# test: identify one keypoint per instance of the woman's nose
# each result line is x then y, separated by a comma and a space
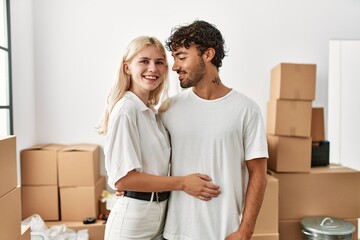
152, 67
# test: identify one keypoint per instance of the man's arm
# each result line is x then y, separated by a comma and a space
253, 199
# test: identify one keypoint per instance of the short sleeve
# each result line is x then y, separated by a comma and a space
122, 150
255, 142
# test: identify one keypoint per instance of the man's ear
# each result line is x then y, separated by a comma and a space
209, 54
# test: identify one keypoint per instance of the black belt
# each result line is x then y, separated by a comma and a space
158, 196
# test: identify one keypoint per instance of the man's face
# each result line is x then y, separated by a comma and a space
189, 65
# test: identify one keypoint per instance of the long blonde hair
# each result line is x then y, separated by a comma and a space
123, 82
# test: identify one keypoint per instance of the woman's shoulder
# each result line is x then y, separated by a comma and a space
127, 105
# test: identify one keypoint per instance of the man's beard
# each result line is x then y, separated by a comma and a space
197, 76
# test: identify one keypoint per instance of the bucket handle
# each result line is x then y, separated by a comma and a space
326, 220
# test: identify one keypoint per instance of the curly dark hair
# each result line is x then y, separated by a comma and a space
201, 34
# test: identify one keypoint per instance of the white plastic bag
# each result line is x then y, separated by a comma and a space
37, 226
39, 230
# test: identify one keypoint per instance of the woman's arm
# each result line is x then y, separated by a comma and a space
197, 185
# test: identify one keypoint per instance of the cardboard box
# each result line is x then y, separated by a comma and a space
289, 154
8, 166
41, 200
268, 218
317, 124
289, 118
332, 190
293, 81
81, 202
79, 165
96, 230
25, 233
291, 229
10, 209
265, 236
39, 165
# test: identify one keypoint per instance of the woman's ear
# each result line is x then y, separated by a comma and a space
209, 54
127, 69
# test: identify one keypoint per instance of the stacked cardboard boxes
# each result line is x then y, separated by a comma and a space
289, 109
10, 193
61, 182
39, 180
292, 125
80, 182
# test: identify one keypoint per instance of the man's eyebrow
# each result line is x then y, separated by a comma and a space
178, 53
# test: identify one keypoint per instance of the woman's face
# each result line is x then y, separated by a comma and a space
147, 70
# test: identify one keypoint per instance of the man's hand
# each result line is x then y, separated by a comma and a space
200, 186
241, 234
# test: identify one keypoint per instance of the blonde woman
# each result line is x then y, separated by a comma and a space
137, 148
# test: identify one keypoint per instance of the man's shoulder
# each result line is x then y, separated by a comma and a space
241, 97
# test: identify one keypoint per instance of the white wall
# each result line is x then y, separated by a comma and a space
66, 52
23, 79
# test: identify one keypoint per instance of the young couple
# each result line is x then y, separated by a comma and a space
212, 135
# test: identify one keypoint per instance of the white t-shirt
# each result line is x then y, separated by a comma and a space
136, 139
213, 137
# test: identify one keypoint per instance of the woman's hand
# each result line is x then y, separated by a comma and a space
200, 186
119, 193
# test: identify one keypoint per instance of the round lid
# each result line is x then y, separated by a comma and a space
327, 226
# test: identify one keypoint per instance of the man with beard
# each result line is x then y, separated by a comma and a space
217, 131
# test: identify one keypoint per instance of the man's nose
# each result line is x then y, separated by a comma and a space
175, 67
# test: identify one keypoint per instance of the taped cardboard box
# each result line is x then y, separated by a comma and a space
79, 165
41, 200
289, 154
289, 118
39, 165
265, 236
8, 166
293, 81
317, 124
332, 190
10, 209
77, 203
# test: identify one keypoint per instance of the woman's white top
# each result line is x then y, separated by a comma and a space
136, 139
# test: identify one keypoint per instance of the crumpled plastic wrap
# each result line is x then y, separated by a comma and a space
40, 231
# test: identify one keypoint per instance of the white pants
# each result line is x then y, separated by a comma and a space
136, 219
